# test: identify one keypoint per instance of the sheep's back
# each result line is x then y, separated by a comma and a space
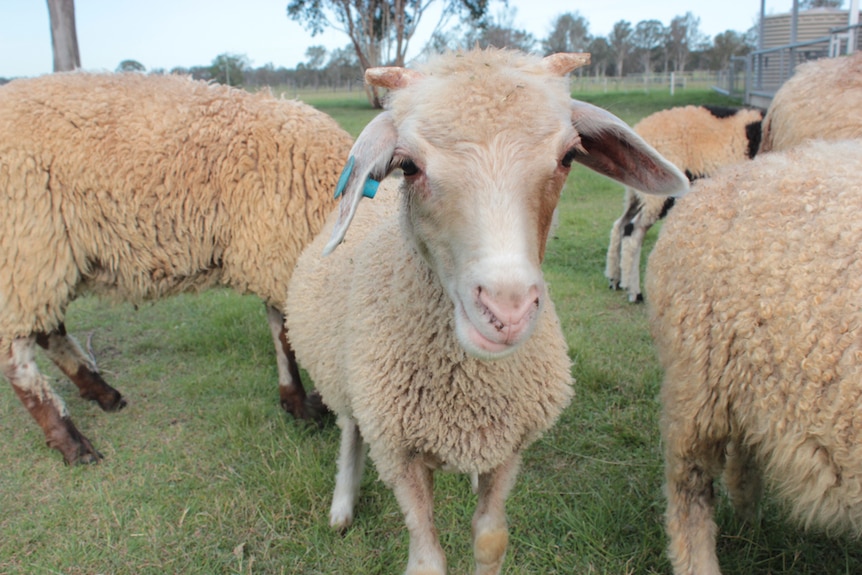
387, 355
822, 100
698, 140
755, 291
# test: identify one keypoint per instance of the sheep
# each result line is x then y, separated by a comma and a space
430, 333
754, 290
138, 187
822, 100
696, 139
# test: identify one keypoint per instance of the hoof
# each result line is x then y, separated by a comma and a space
311, 409
116, 404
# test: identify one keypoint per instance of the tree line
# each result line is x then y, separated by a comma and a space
645, 47
380, 32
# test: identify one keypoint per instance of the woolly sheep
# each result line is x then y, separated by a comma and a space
696, 139
755, 301
430, 333
822, 100
138, 187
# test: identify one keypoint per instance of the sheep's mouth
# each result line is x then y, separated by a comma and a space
496, 340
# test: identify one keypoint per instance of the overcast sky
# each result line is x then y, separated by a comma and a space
169, 33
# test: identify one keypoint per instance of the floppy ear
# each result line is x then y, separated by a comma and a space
368, 164
613, 149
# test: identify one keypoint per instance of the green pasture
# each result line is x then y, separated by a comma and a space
204, 474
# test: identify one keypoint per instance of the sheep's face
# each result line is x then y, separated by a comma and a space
479, 213
485, 141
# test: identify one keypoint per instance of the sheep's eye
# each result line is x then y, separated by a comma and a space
409, 167
570, 157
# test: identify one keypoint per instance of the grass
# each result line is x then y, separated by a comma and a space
204, 474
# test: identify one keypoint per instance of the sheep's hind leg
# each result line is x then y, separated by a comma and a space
80, 368
414, 490
689, 519
490, 532
351, 461
743, 480
44, 405
294, 400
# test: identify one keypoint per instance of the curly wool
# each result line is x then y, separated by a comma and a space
821, 101
385, 353
755, 293
138, 187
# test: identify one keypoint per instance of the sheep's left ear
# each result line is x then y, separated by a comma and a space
368, 163
562, 63
610, 147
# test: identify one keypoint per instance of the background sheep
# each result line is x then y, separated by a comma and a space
696, 139
138, 187
755, 300
430, 333
822, 100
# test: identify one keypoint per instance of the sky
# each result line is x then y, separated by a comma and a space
170, 33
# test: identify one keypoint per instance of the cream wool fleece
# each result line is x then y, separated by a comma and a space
821, 101
137, 187
385, 353
755, 297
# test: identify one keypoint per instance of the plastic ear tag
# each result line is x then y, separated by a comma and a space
345, 175
369, 190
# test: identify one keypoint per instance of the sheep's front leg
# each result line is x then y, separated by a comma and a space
351, 460
490, 531
631, 261
80, 368
414, 490
44, 405
294, 400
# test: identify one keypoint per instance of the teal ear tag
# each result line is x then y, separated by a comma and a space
345, 175
370, 188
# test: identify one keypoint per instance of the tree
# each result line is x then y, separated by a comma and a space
646, 38
131, 66
379, 30
724, 46
64, 38
570, 33
620, 40
683, 37
500, 32
601, 56
228, 69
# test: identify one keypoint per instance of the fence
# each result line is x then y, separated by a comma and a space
663, 81
755, 78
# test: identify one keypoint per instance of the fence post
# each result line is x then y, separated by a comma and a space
672, 82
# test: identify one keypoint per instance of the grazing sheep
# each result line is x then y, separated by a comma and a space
138, 187
755, 301
430, 333
696, 139
822, 101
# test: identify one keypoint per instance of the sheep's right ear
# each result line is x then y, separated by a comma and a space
368, 164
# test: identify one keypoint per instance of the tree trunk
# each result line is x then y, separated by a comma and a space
64, 39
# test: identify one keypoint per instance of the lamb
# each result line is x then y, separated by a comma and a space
755, 302
430, 333
822, 100
138, 187
696, 139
